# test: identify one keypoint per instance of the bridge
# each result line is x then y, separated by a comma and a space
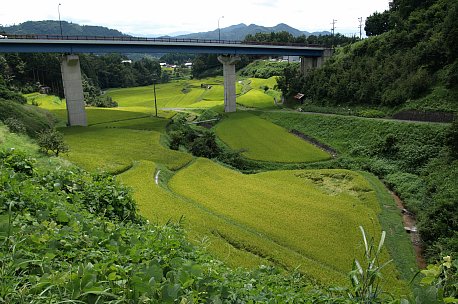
311, 57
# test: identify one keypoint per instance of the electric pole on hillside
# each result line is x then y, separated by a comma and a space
360, 19
154, 88
333, 30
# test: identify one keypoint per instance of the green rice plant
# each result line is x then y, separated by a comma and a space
365, 277
256, 98
115, 149
262, 140
168, 95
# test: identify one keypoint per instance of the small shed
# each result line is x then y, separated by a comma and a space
44, 89
299, 97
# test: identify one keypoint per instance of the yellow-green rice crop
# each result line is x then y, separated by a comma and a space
262, 140
306, 218
259, 83
256, 99
115, 149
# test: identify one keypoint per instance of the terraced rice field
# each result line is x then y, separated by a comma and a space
291, 218
262, 140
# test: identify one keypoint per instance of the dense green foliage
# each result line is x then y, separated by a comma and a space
264, 69
405, 62
52, 27
285, 37
26, 72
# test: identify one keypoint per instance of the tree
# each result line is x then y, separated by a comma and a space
377, 23
451, 32
51, 140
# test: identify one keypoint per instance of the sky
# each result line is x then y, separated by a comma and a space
165, 17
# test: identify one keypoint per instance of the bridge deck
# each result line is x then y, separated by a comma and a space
86, 44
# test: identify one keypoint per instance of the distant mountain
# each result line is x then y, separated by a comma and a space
52, 27
240, 31
233, 32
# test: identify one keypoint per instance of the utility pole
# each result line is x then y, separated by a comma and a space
219, 30
333, 30
154, 86
360, 19
60, 22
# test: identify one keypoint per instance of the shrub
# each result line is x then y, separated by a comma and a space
371, 113
13, 96
17, 161
451, 138
15, 125
51, 140
101, 102
205, 145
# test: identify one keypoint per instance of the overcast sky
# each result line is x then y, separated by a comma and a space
152, 17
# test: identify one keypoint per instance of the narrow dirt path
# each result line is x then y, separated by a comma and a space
410, 225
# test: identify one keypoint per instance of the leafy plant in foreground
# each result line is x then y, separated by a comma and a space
365, 277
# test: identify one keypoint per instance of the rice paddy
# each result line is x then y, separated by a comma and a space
290, 218
265, 141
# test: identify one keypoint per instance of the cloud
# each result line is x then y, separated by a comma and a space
163, 17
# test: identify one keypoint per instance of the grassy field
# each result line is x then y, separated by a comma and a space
292, 218
262, 140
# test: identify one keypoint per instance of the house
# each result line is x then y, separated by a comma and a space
188, 65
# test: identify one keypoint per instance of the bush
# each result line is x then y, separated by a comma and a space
13, 96
15, 125
371, 113
17, 161
101, 102
451, 138
205, 145
51, 140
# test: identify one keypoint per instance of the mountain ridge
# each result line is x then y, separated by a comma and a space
233, 32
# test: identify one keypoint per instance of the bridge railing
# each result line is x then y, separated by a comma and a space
146, 39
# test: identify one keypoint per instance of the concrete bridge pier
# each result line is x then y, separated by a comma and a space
229, 62
309, 63
73, 90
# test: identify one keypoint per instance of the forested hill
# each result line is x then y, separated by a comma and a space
51, 27
410, 60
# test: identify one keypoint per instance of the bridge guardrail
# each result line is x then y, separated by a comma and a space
146, 39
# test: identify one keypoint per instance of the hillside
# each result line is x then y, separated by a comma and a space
52, 27
409, 62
